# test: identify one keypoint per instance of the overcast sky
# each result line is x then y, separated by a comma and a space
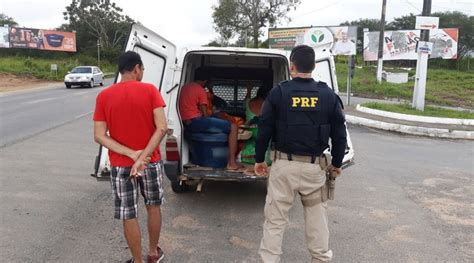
189, 22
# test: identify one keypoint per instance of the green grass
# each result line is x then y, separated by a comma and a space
429, 110
40, 67
444, 87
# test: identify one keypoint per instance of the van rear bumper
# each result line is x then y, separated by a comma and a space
220, 175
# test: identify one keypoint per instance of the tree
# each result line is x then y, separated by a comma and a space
100, 20
213, 43
6, 20
402, 23
242, 18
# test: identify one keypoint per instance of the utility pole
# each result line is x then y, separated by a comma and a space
98, 52
350, 75
425, 34
422, 65
381, 40
246, 38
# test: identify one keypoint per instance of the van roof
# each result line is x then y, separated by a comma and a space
239, 49
319, 55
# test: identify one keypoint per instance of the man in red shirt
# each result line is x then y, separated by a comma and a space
132, 112
193, 109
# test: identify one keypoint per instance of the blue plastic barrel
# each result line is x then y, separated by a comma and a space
209, 149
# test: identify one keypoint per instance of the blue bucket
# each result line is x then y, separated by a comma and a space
209, 149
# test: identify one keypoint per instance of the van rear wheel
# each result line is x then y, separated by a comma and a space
179, 187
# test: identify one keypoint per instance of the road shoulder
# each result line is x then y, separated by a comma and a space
14, 84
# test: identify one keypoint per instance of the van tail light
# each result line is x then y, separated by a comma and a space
172, 153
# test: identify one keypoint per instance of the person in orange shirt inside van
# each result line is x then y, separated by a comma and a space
193, 103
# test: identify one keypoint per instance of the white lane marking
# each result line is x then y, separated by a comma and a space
82, 115
55, 98
83, 92
25, 96
26, 91
39, 91
38, 101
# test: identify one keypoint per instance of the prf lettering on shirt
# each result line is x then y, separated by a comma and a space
304, 102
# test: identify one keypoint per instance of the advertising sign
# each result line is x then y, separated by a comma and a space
4, 42
402, 44
340, 39
426, 22
42, 39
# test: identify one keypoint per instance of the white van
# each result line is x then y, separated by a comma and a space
230, 70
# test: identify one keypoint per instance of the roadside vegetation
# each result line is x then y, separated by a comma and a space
430, 111
41, 67
445, 87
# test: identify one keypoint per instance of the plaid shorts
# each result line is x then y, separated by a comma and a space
125, 189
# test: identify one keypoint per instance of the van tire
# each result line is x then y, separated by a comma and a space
179, 187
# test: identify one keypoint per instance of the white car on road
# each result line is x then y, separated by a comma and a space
84, 76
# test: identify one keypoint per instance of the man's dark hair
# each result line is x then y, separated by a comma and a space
303, 58
128, 61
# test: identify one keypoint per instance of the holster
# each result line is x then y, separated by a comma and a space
330, 185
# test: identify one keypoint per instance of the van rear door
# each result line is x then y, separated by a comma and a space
159, 58
325, 71
158, 55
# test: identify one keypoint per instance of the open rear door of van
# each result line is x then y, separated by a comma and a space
159, 58
325, 71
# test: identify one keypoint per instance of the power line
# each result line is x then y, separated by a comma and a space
315, 10
438, 6
408, 2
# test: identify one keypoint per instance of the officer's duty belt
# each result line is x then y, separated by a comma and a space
298, 158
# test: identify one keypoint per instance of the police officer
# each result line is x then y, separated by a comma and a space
299, 116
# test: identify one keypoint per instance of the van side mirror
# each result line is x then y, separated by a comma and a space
69, 72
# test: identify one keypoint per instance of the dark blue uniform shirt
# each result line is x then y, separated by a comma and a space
272, 110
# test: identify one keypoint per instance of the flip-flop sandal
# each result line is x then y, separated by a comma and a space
244, 135
239, 169
248, 172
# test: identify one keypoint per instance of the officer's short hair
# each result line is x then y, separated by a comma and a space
128, 61
303, 58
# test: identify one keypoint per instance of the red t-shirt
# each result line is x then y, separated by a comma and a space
127, 108
192, 95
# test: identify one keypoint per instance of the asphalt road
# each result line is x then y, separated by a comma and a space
28, 113
407, 199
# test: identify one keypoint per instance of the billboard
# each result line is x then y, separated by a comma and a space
4, 42
42, 39
401, 44
340, 39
